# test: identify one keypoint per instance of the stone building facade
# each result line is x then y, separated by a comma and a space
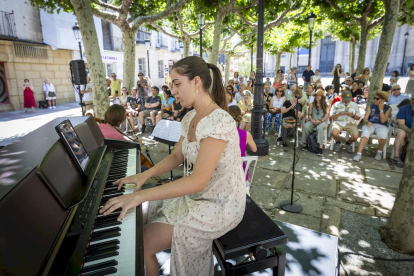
35, 62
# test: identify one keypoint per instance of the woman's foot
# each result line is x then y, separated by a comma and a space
319, 152
279, 139
284, 144
25, 111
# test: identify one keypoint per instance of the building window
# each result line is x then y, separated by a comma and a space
141, 65
160, 69
141, 35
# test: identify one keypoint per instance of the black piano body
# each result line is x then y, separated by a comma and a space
38, 236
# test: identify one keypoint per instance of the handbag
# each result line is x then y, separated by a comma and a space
288, 122
51, 94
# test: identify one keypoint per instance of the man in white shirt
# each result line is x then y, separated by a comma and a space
344, 115
87, 94
241, 78
396, 96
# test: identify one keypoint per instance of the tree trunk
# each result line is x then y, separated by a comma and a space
290, 63
399, 232
352, 46
278, 57
384, 49
362, 46
83, 12
213, 57
227, 70
186, 43
128, 38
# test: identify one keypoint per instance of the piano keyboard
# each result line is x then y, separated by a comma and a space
112, 244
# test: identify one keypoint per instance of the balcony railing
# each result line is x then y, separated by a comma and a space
7, 25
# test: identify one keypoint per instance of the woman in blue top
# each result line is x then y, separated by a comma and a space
376, 121
166, 106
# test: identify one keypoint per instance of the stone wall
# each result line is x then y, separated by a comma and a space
55, 67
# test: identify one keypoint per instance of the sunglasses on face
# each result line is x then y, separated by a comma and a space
395, 89
377, 98
113, 76
298, 97
279, 91
229, 89
300, 87
140, 75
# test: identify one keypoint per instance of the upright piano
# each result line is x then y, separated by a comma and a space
40, 236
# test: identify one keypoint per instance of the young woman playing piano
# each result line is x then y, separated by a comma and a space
187, 214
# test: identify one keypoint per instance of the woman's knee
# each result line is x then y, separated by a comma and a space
157, 237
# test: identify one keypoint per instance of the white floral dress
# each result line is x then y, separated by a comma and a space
200, 218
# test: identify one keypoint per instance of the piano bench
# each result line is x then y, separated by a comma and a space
258, 237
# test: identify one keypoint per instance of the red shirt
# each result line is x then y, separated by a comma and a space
110, 132
338, 99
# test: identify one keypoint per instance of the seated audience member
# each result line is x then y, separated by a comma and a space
152, 106
245, 138
289, 117
267, 95
403, 131
114, 116
123, 100
245, 106
318, 114
277, 83
365, 76
229, 97
178, 111
361, 101
286, 87
134, 106
396, 96
275, 109
330, 93
344, 88
375, 120
355, 90
237, 85
166, 106
238, 96
348, 81
361, 84
394, 78
343, 116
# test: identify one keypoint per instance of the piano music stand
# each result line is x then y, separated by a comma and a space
167, 125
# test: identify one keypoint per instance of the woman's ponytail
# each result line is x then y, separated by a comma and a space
217, 91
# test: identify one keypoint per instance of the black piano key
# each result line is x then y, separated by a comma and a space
97, 245
107, 271
107, 224
101, 218
103, 255
118, 193
99, 266
106, 234
108, 193
110, 188
103, 250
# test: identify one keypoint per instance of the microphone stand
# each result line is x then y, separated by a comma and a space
289, 205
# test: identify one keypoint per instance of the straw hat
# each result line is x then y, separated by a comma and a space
320, 92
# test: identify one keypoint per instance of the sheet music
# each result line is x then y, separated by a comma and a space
167, 130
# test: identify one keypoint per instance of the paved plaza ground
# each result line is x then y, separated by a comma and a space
340, 197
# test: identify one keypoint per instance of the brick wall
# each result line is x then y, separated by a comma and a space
55, 68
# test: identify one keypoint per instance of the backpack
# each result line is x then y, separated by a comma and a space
313, 143
43, 104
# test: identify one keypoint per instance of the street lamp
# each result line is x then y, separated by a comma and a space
201, 19
405, 46
311, 23
78, 37
148, 45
